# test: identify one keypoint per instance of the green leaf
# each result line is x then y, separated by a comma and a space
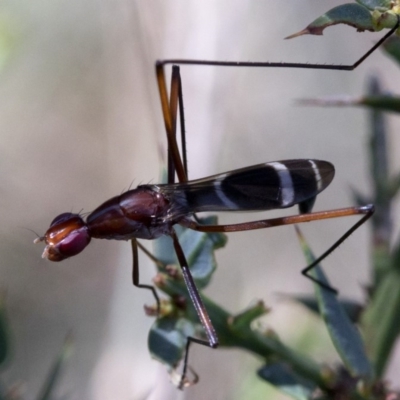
245, 318
382, 20
284, 379
394, 186
392, 47
378, 151
352, 308
167, 339
49, 386
8, 38
381, 320
382, 224
345, 336
396, 257
164, 248
219, 239
385, 102
350, 14
380, 5
199, 250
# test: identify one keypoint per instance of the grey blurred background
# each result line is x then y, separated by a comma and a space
80, 122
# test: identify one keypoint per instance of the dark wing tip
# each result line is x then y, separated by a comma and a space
326, 172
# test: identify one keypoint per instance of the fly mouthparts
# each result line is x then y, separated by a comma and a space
45, 253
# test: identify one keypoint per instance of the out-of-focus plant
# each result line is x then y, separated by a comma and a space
8, 37
13, 391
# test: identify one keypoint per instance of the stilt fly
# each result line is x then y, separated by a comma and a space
150, 211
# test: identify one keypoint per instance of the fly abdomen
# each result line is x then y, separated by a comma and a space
267, 186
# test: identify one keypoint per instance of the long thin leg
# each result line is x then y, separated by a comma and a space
351, 67
135, 274
173, 109
269, 223
195, 295
178, 164
176, 100
169, 113
169, 107
189, 339
177, 81
367, 211
156, 261
212, 338
307, 269
182, 126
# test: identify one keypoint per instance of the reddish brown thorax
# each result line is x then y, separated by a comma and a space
138, 213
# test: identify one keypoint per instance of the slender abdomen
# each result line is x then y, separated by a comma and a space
266, 186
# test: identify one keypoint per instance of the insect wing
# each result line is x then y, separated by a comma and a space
267, 186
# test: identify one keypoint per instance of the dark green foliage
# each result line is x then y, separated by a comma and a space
367, 15
56, 371
48, 389
392, 47
345, 336
281, 376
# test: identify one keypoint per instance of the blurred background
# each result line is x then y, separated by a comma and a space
80, 122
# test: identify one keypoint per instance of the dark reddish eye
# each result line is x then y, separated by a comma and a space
63, 217
67, 236
69, 245
74, 243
